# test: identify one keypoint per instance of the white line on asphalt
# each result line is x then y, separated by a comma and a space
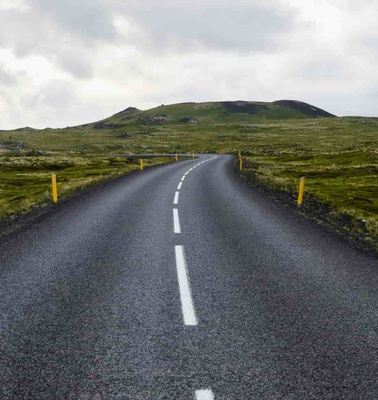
176, 221
182, 179
185, 294
175, 200
179, 186
186, 173
204, 394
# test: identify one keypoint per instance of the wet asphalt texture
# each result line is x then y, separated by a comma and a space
90, 304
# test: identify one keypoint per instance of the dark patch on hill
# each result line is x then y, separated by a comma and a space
186, 120
124, 135
304, 108
157, 119
105, 125
243, 107
127, 118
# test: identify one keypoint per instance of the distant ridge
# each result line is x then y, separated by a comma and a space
25, 128
212, 112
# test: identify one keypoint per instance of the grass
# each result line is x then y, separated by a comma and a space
337, 156
25, 180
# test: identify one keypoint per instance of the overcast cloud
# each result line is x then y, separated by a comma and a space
75, 61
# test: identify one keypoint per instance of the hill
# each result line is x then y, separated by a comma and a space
212, 112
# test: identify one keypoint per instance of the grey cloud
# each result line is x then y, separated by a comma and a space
54, 93
6, 79
5, 97
91, 19
321, 70
243, 27
80, 63
57, 95
29, 34
369, 41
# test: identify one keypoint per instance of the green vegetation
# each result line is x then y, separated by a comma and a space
339, 160
25, 179
279, 142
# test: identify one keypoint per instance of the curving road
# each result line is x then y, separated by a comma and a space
180, 282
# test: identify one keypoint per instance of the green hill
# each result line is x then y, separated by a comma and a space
212, 112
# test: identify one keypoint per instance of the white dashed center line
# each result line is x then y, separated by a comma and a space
179, 186
185, 294
175, 200
176, 221
204, 394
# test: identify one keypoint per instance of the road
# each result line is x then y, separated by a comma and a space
180, 282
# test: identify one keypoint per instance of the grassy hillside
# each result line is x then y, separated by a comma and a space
338, 156
212, 112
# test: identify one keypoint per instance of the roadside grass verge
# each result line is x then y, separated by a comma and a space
25, 181
340, 188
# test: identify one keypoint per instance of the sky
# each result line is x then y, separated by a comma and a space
65, 63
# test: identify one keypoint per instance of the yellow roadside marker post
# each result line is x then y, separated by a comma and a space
193, 154
240, 163
301, 190
141, 165
176, 157
54, 188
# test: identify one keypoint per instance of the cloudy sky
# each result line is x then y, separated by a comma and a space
75, 61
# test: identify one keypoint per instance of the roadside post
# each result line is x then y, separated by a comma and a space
301, 190
176, 158
54, 188
240, 163
141, 165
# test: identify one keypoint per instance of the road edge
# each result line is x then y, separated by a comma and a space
341, 224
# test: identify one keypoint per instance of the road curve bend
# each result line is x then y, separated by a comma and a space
181, 282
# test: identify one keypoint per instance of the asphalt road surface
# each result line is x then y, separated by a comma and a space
180, 282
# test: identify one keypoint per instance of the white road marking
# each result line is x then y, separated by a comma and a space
182, 179
175, 200
185, 294
176, 221
179, 186
206, 394
186, 173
